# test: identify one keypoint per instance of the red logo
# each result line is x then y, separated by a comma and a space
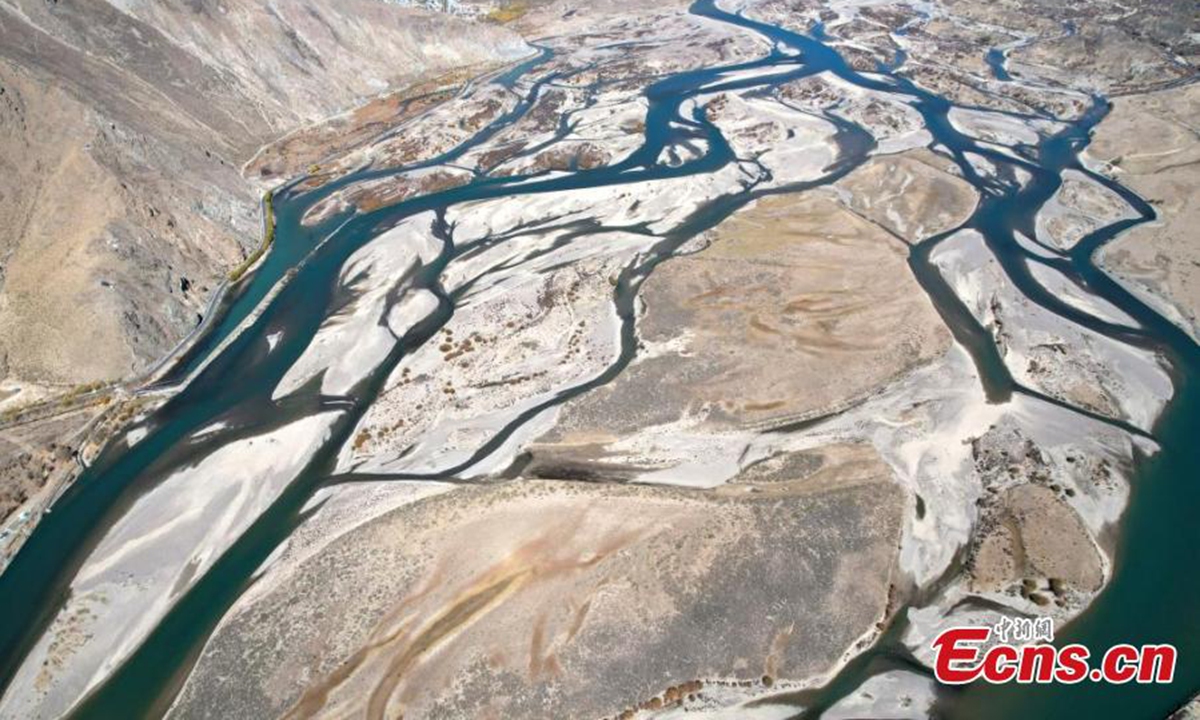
964, 655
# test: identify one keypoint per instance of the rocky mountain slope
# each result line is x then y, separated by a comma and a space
124, 126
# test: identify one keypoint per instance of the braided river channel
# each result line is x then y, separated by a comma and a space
222, 388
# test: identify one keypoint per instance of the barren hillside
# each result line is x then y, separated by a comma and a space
123, 128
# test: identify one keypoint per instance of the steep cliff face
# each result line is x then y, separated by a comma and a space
123, 129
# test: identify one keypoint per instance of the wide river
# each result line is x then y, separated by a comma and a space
224, 384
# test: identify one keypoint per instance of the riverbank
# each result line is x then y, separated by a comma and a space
236, 274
